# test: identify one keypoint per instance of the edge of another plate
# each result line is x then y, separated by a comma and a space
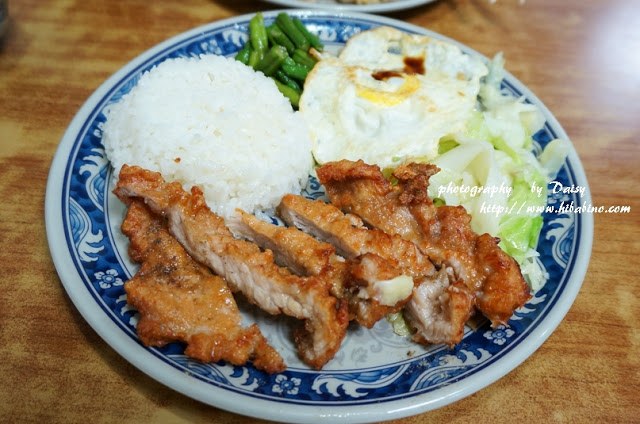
335, 6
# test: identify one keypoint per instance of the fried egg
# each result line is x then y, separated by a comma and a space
389, 96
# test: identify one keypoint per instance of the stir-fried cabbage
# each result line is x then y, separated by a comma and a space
492, 171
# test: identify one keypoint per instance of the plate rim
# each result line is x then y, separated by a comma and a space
388, 6
171, 377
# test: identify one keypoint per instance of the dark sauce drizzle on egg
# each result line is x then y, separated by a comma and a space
412, 65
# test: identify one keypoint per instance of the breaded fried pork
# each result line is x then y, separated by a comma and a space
246, 268
180, 300
490, 276
371, 285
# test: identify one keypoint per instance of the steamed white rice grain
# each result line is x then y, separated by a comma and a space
216, 123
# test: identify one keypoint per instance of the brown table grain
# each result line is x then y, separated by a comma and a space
580, 57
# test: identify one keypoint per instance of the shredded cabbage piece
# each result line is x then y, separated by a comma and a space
399, 324
495, 156
496, 150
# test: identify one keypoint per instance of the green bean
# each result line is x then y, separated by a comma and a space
303, 58
295, 70
271, 61
243, 54
286, 80
312, 38
276, 36
281, 51
290, 93
258, 34
254, 58
287, 26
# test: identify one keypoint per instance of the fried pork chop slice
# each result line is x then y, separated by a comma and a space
443, 233
244, 266
180, 300
439, 317
439, 309
294, 249
379, 287
477, 259
351, 238
368, 283
362, 190
503, 289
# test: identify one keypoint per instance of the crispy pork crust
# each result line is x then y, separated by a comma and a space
443, 233
352, 279
294, 249
246, 268
350, 237
361, 189
180, 300
324, 272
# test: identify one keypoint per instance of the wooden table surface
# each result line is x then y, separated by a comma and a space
580, 57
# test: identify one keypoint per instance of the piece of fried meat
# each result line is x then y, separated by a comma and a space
180, 300
245, 267
443, 233
371, 285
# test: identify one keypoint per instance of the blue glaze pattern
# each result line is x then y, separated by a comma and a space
377, 366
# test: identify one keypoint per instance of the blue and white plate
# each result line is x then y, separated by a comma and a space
377, 375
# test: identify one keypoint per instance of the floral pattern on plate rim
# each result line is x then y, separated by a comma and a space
101, 263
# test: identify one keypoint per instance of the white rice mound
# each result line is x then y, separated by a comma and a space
213, 122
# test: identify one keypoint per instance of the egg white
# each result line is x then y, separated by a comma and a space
367, 104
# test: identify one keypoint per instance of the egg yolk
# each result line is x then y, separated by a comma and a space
390, 98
